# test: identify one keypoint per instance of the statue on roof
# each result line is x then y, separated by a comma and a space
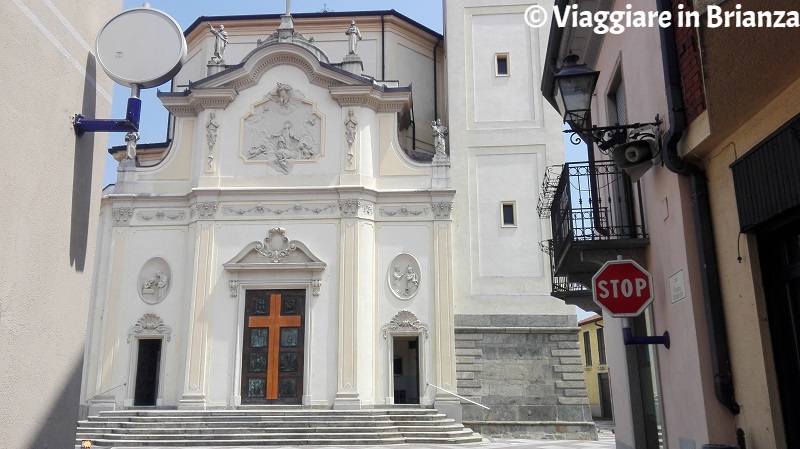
439, 133
354, 35
220, 42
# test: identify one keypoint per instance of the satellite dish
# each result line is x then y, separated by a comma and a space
141, 46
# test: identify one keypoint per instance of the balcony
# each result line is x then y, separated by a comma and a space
595, 215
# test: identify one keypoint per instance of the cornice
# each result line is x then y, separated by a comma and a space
198, 100
370, 97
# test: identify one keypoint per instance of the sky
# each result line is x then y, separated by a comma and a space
153, 126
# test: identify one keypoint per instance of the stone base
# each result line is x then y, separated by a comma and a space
535, 430
212, 68
346, 401
528, 369
94, 407
193, 401
353, 64
451, 408
440, 172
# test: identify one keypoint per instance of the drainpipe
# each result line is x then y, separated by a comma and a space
383, 49
701, 213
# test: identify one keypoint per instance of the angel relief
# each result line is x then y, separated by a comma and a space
283, 129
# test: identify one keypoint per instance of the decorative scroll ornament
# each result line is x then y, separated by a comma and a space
442, 210
122, 214
160, 215
283, 254
260, 209
403, 211
234, 286
350, 125
205, 210
405, 321
276, 246
349, 207
211, 137
150, 324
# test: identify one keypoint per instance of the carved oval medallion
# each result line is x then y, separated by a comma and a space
404, 276
155, 280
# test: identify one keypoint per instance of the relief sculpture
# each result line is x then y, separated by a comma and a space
296, 137
404, 276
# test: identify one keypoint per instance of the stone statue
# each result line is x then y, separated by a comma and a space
412, 281
285, 136
156, 285
354, 35
439, 132
396, 277
350, 131
220, 42
211, 130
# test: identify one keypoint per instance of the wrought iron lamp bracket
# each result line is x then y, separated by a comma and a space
607, 137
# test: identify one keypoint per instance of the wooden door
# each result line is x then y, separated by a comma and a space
273, 346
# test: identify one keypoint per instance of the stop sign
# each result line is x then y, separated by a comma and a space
622, 288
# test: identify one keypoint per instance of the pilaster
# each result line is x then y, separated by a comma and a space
347, 392
444, 330
104, 395
195, 389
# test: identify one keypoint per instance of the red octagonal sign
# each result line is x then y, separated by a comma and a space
622, 288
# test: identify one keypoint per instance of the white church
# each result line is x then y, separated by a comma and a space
343, 218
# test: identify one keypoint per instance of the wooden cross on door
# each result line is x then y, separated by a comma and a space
274, 322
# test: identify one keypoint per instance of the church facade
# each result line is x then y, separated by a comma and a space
307, 238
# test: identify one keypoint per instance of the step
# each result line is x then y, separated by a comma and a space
238, 423
222, 430
266, 426
238, 436
269, 442
165, 418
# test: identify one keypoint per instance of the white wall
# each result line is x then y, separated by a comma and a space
49, 213
502, 137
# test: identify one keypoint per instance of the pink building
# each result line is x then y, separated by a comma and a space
709, 205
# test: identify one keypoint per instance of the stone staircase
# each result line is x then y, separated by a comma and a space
270, 426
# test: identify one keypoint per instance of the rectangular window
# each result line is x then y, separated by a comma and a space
601, 347
501, 64
587, 348
615, 99
398, 366
508, 211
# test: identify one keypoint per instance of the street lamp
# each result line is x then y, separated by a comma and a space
575, 84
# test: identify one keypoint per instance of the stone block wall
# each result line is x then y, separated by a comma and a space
527, 369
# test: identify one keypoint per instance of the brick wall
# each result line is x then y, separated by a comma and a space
686, 38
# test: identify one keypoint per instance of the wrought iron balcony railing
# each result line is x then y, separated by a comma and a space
590, 202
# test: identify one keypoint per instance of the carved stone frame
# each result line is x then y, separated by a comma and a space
251, 269
394, 328
163, 333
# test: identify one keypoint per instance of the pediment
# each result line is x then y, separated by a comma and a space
219, 90
275, 252
248, 73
